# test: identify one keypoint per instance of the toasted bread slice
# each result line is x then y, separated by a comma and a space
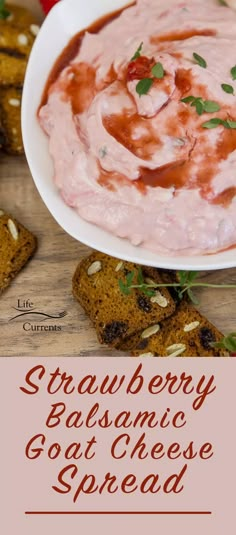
15, 47
10, 112
116, 315
168, 276
186, 334
12, 68
2, 135
20, 17
17, 245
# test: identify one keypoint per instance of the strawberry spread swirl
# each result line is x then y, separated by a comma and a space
140, 110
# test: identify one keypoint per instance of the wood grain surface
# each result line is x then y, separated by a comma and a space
46, 281
33, 5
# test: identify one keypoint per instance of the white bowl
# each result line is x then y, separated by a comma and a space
66, 19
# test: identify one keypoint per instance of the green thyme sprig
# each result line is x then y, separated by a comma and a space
144, 85
199, 60
228, 342
207, 106
4, 13
216, 121
228, 89
127, 286
137, 54
158, 71
233, 72
187, 282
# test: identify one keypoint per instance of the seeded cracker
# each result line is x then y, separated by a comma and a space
15, 47
2, 136
115, 315
19, 17
186, 334
10, 106
17, 245
17, 35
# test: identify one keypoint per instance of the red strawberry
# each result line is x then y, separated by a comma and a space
48, 4
139, 68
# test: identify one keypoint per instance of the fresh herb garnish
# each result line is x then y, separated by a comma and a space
208, 106
213, 123
124, 288
228, 342
233, 72
228, 88
158, 71
187, 281
230, 124
189, 99
223, 3
4, 13
127, 286
137, 53
144, 85
201, 61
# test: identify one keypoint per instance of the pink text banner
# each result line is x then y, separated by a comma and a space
117, 444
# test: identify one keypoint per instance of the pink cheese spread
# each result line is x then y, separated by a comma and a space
132, 153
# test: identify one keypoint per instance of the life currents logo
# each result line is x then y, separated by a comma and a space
36, 319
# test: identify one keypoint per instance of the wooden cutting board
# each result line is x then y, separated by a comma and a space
45, 283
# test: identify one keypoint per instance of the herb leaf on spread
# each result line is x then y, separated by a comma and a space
143, 86
228, 342
207, 106
201, 61
213, 123
158, 71
187, 281
210, 106
223, 3
233, 72
230, 124
228, 88
188, 99
138, 52
4, 13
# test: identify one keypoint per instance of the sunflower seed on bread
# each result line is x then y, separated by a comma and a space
19, 17
17, 35
10, 112
17, 245
114, 314
173, 339
14, 54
